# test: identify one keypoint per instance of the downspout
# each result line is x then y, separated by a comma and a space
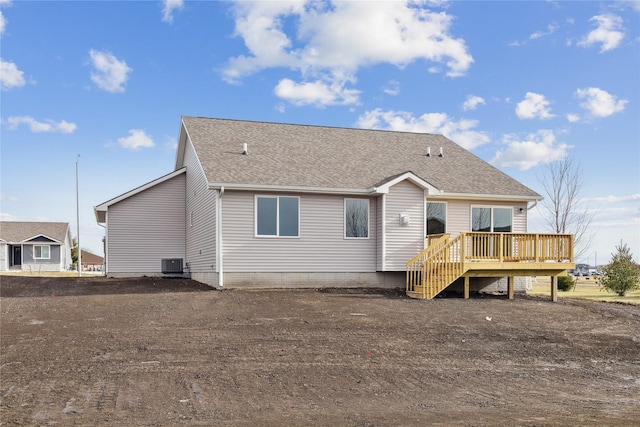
384, 232
532, 206
219, 239
104, 245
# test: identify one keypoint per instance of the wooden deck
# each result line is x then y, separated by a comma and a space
487, 255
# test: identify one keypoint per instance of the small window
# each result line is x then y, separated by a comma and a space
491, 219
277, 216
356, 218
436, 218
41, 252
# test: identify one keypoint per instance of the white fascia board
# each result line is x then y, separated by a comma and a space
384, 188
103, 207
28, 240
289, 189
183, 136
493, 197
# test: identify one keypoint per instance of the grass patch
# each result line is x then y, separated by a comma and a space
585, 289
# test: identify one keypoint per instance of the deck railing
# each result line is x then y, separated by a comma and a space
445, 259
518, 247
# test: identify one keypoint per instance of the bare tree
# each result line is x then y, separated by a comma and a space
563, 209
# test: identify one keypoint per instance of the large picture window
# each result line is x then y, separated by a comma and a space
436, 218
491, 219
278, 216
41, 252
356, 218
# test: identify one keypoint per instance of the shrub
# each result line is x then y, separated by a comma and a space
622, 274
566, 283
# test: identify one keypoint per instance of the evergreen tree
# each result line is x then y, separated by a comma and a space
622, 274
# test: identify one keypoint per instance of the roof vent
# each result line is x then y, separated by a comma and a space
245, 149
428, 151
441, 153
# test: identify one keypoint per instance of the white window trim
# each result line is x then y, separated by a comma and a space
446, 215
491, 207
344, 219
42, 246
277, 235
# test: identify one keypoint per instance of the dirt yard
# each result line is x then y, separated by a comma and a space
166, 352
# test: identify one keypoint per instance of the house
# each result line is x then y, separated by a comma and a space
91, 262
35, 246
253, 204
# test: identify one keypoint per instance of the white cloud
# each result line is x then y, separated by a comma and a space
3, 20
168, 7
10, 75
472, 102
331, 41
618, 216
600, 103
8, 198
572, 117
551, 28
392, 88
460, 131
137, 139
608, 32
315, 93
540, 147
533, 106
110, 73
614, 199
3, 23
633, 4
7, 217
47, 126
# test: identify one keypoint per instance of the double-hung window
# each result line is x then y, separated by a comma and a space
41, 252
277, 216
491, 219
436, 218
356, 218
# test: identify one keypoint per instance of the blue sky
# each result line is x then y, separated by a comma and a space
520, 84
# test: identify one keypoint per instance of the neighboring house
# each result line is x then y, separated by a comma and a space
254, 204
35, 246
91, 262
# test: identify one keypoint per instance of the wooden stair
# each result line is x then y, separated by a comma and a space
435, 268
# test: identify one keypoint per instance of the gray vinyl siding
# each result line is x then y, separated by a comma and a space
28, 253
321, 246
200, 216
459, 215
380, 201
403, 242
4, 257
147, 227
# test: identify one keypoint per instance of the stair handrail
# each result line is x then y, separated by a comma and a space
415, 265
448, 270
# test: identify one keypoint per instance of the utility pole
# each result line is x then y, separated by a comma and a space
78, 218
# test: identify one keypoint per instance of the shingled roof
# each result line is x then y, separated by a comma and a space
16, 232
298, 156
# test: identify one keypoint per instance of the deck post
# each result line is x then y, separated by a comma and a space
466, 287
554, 288
511, 287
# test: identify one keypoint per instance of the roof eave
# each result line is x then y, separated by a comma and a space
288, 188
493, 197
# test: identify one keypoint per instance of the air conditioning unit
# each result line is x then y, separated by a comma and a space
172, 266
